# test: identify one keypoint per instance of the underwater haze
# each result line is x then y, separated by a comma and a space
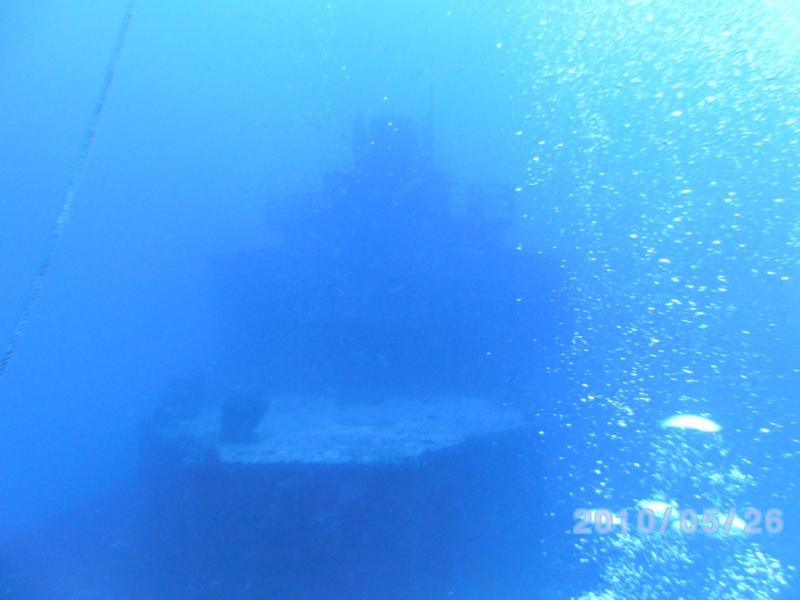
399, 300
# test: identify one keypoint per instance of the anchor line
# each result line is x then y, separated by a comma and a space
65, 212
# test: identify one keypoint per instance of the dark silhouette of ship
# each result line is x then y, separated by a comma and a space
369, 438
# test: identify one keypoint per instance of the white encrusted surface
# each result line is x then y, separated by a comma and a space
326, 431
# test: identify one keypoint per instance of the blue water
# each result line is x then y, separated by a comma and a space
584, 211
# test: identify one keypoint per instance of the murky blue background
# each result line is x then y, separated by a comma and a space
653, 149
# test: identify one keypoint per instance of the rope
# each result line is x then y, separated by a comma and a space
72, 191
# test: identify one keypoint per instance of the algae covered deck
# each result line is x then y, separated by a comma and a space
319, 430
